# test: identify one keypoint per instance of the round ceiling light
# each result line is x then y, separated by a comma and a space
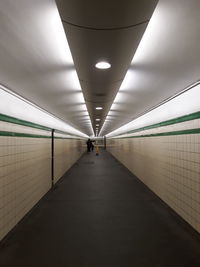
103, 65
98, 108
97, 119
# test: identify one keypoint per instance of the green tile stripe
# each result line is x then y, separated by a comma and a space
189, 117
10, 119
13, 120
14, 134
190, 131
71, 138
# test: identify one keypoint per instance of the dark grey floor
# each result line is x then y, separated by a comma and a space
100, 215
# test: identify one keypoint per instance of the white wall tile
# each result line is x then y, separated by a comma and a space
25, 175
168, 165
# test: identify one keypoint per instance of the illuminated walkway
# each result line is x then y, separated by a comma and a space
100, 215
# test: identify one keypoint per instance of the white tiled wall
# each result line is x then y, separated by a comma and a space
25, 169
25, 173
66, 153
168, 165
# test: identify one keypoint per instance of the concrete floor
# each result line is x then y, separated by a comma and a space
100, 215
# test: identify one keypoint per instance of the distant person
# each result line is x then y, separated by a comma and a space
89, 145
92, 145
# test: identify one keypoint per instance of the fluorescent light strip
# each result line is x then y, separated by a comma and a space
15, 106
140, 57
61, 47
59, 50
183, 103
128, 79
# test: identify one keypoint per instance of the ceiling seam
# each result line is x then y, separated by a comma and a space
88, 81
105, 29
98, 102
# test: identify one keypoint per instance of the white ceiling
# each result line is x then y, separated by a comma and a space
36, 61
166, 62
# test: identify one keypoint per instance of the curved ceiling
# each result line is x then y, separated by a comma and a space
105, 14
36, 61
103, 30
165, 63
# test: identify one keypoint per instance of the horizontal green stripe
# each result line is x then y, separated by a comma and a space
14, 134
191, 131
22, 122
10, 119
185, 118
58, 137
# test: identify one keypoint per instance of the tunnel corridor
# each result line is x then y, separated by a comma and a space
119, 76
100, 214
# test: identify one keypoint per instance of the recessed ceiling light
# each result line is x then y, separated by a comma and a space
97, 119
103, 65
98, 108
97, 124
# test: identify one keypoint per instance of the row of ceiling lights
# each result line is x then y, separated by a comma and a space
101, 65
97, 125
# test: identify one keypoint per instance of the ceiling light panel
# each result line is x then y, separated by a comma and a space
17, 107
103, 65
182, 104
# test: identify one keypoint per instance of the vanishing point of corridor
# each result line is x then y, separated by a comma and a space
100, 215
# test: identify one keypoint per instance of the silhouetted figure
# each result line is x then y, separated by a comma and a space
92, 145
89, 145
